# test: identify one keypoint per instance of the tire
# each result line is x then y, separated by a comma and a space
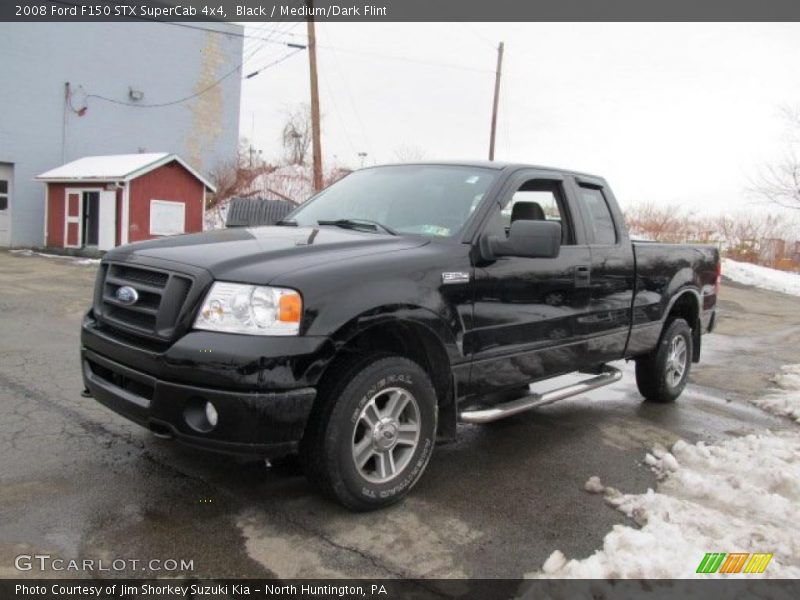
359, 451
662, 374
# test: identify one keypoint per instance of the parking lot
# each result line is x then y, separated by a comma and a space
77, 481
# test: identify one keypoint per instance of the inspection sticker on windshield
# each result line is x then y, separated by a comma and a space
435, 230
472, 179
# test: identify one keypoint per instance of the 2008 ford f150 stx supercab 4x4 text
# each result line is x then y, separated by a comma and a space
395, 303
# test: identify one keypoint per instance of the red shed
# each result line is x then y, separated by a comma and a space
105, 201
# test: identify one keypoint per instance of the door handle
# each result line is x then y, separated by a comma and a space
583, 274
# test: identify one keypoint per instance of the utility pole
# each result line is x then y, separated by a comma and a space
316, 149
496, 98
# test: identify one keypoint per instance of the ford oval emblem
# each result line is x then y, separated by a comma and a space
127, 295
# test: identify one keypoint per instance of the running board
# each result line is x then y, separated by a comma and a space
607, 376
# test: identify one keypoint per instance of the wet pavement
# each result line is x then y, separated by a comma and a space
77, 481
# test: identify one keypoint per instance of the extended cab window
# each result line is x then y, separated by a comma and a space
536, 199
601, 223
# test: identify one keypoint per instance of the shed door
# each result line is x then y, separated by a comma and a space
107, 221
73, 218
5, 204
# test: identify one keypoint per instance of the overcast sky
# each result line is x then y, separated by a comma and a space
673, 113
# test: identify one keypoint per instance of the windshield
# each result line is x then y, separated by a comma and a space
433, 200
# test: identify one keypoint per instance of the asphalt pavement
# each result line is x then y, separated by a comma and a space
77, 481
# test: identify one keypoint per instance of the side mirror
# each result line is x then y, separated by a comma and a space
527, 239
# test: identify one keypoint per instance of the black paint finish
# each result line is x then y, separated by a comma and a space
500, 324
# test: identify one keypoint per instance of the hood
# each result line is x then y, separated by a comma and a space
258, 255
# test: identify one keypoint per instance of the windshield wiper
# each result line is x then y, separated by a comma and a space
358, 224
288, 223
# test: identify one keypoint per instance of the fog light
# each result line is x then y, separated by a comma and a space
211, 414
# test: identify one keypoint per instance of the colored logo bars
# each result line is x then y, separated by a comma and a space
741, 562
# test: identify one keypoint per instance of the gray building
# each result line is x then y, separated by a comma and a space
71, 90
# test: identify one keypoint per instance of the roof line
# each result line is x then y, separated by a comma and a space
166, 160
151, 166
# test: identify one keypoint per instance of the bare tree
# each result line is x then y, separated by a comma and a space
296, 135
779, 183
409, 153
668, 223
237, 176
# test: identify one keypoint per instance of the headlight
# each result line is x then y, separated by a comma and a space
253, 309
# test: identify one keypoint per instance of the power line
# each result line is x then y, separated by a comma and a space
370, 53
184, 25
218, 81
275, 62
338, 66
361, 51
260, 45
479, 36
196, 94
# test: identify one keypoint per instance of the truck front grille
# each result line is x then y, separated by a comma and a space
160, 302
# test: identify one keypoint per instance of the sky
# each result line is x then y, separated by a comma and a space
674, 114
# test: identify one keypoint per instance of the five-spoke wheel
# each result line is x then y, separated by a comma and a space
372, 433
386, 434
662, 374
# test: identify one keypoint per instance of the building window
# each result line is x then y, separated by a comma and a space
167, 217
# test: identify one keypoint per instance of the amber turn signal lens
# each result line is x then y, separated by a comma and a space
291, 307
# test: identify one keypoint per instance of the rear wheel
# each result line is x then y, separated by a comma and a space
662, 374
373, 433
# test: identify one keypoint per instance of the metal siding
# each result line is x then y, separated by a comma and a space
117, 56
170, 182
252, 212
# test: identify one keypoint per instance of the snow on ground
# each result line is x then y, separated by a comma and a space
215, 217
75, 260
763, 277
784, 401
741, 495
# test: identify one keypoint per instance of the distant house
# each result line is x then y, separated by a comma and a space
104, 201
84, 89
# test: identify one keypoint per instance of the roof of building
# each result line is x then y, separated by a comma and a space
116, 167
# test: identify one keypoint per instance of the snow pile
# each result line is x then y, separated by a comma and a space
784, 402
742, 495
763, 277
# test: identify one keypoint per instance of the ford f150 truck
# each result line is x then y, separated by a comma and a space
389, 307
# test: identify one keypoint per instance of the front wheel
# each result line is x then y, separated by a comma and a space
373, 434
662, 374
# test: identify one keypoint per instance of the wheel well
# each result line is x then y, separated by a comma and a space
410, 340
686, 307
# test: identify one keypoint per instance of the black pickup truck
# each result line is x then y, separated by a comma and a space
392, 305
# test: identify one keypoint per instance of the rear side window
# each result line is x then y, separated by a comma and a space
602, 225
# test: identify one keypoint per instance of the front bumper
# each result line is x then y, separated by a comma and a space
257, 414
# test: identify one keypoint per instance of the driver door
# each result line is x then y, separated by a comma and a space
528, 311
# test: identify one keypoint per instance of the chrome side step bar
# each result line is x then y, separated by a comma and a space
607, 376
